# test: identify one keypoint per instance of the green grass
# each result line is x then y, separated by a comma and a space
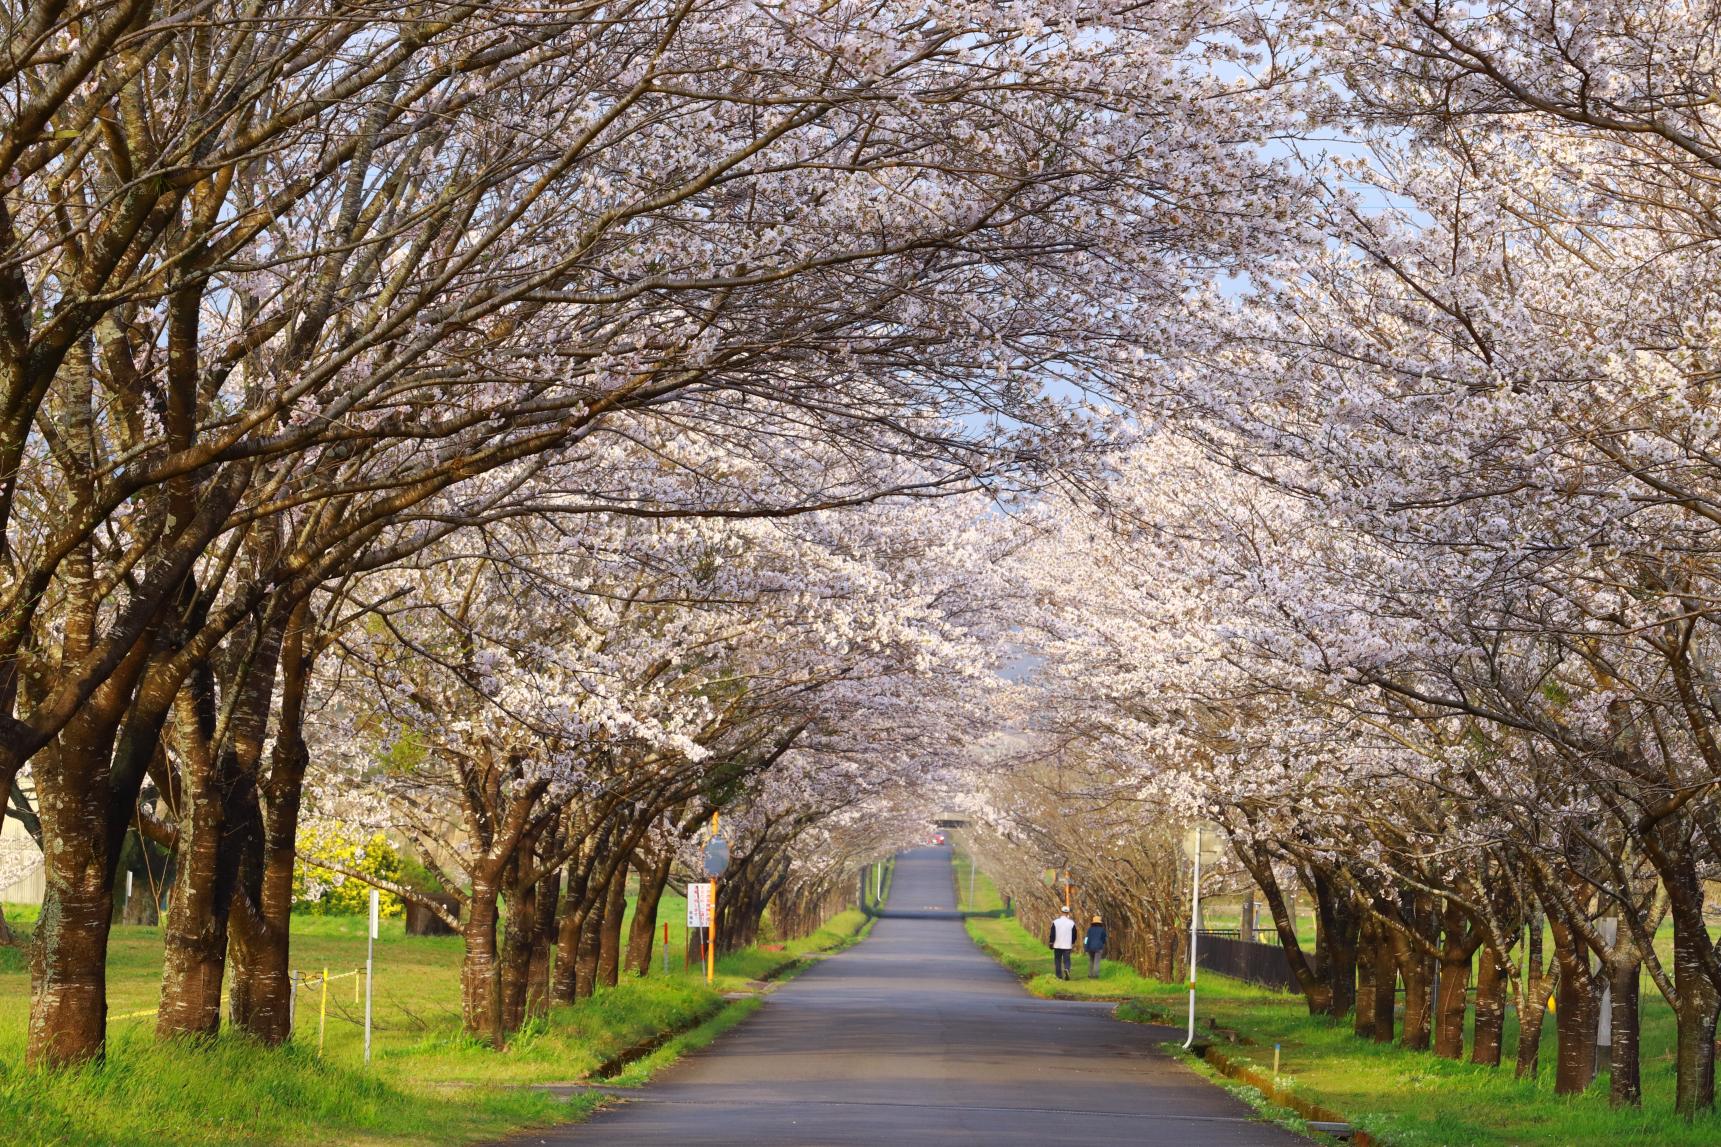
1403, 1098
428, 1083
985, 897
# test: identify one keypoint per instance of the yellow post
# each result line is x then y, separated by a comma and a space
323, 1013
711, 934
355, 987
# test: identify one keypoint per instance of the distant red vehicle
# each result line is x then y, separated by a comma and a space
938, 838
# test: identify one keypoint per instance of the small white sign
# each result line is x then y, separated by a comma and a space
699, 905
374, 898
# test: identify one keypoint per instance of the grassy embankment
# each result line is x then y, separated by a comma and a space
1403, 1098
427, 1084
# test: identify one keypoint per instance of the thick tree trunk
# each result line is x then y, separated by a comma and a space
259, 927
546, 903
1385, 985
1458, 946
1694, 1054
1625, 1082
1536, 993
195, 938
1338, 917
1166, 950
1490, 1027
519, 934
220, 829
1418, 980
87, 788
570, 924
1363, 1021
480, 967
1574, 1019
590, 946
1452, 1000
609, 936
68, 958
261, 1003
642, 938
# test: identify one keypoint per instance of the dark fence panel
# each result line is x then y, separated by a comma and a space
1249, 960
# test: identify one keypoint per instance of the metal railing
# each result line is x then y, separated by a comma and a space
1222, 950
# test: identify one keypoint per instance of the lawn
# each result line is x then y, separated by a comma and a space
428, 1084
1403, 1098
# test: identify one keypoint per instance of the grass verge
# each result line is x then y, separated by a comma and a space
428, 1083
1401, 1098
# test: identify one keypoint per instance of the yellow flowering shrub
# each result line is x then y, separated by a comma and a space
324, 893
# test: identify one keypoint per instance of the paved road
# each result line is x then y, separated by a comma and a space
917, 1037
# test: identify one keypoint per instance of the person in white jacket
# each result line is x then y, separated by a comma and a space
1062, 938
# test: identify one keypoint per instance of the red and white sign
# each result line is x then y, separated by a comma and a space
699, 905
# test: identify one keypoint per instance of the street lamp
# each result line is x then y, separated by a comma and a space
1198, 843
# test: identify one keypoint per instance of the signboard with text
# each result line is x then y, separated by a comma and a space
699, 905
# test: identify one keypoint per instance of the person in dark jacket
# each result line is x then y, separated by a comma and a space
1094, 945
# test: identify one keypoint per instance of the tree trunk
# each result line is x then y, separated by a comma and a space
195, 938
1453, 998
609, 936
1337, 916
1363, 1021
261, 999
1418, 999
1625, 1083
570, 925
68, 958
653, 877
1574, 1017
220, 829
518, 935
590, 947
546, 903
1490, 1010
1316, 990
480, 968
1535, 1009
1385, 985
87, 787
1166, 948
1695, 1018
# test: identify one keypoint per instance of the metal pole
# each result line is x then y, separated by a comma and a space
370, 968
711, 938
323, 1012
1194, 914
711, 931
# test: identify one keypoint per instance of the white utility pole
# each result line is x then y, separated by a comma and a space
370, 967
1194, 918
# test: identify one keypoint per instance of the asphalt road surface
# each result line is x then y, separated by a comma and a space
917, 1037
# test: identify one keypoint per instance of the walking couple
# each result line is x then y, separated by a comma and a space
1062, 938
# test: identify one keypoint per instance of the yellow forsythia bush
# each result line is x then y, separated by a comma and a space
325, 893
